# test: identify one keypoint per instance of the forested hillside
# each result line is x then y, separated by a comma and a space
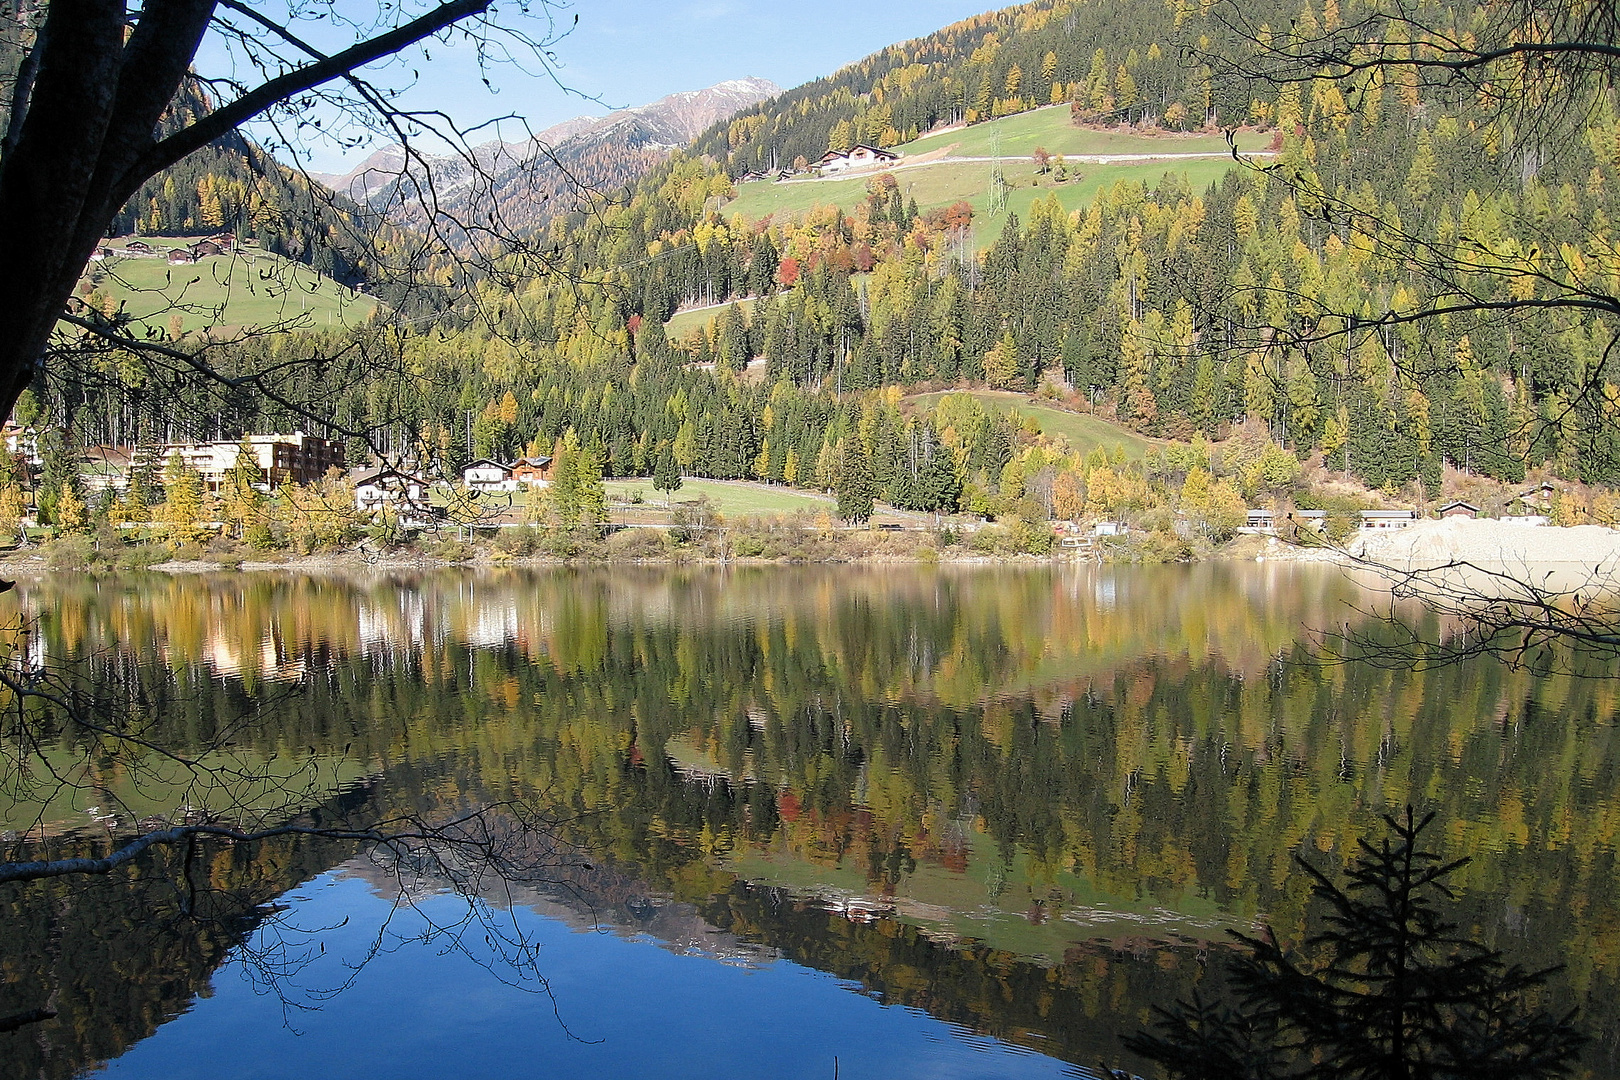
1184, 313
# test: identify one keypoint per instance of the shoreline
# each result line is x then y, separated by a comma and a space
1425, 546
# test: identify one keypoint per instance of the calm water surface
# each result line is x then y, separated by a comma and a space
933, 823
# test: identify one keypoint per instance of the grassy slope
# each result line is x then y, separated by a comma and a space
945, 183
1083, 432
250, 289
729, 496
1050, 128
685, 323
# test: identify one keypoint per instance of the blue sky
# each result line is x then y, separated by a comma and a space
630, 52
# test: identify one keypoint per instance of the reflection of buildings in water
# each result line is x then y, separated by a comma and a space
226, 655
1105, 589
384, 628
491, 622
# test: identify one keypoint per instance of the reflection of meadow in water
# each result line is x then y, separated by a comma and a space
1070, 781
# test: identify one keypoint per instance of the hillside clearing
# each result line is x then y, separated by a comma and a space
947, 182
685, 324
248, 289
1084, 433
1051, 129
729, 496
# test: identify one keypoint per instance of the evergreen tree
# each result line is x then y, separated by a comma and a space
855, 488
59, 472
666, 474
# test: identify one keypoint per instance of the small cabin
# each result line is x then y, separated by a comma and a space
139, 245
532, 472
178, 256
1387, 519
100, 254
1458, 509
206, 249
487, 475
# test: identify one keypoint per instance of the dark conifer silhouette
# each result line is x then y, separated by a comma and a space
1387, 990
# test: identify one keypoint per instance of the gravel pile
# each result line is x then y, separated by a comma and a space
1433, 543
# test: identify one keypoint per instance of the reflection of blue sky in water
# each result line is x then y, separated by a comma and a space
420, 1011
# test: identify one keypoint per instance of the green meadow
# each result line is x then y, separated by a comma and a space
684, 324
945, 183
1051, 129
730, 497
249, 289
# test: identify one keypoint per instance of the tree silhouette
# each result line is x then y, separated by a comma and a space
1387, 990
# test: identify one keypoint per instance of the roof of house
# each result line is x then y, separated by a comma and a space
1458, 504
361, 476
840, 155
533, 462
484, 461
1386, 513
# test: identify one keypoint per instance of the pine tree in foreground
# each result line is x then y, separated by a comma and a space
1386, 991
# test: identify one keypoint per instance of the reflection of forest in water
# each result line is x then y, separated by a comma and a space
1028, 801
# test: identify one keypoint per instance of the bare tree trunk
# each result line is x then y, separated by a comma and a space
83, 136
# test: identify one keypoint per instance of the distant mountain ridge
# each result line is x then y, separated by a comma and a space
524, 183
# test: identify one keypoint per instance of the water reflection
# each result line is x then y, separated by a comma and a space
1028, 802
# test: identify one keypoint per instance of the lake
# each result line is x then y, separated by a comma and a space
926, 822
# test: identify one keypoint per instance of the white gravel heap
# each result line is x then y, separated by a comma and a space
1484, 541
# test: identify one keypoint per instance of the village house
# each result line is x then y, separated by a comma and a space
487, 475
21, 442
140, 246
180, 255
1387, 519
105, 467
859, 156
376, 490
532, 472
1458, 508
206, 249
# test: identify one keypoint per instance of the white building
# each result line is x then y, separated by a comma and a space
390, 489
487, 475
859, 156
